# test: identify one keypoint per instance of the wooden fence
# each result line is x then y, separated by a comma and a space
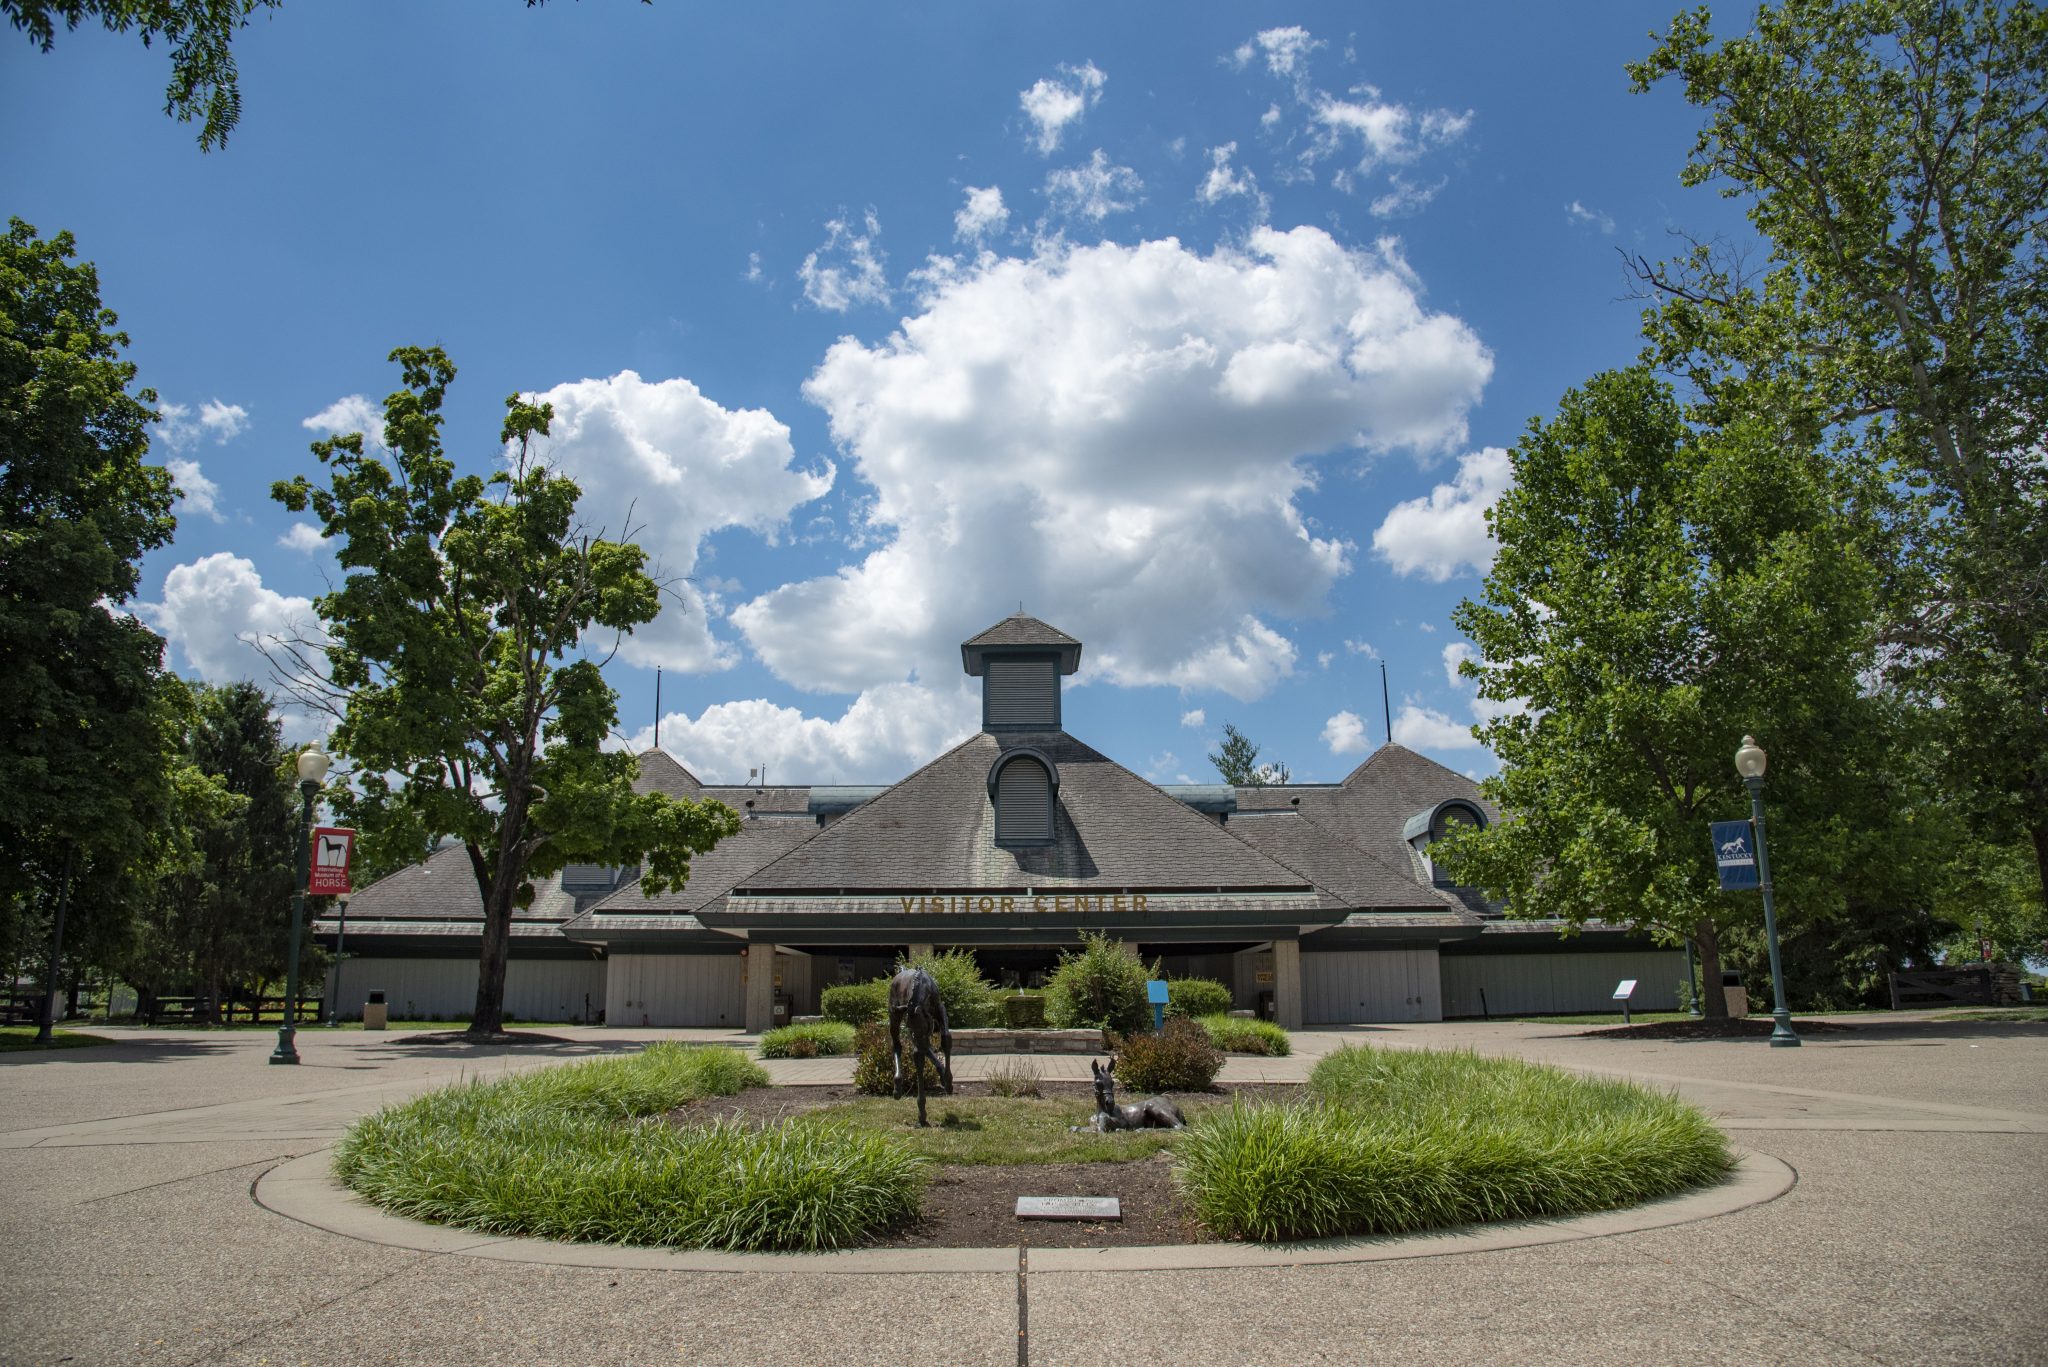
1978, 985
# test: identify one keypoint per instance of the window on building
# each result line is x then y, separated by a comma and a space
1023, 800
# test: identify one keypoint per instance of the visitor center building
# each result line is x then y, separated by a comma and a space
1317, 903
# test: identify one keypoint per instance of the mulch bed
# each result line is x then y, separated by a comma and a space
1753, 1027
501, 1037
975, 1205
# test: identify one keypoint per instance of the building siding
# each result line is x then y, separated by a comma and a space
675, 990
1357, 986
1560, 984
426, 989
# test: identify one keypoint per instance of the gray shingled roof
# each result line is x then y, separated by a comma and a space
661, 773
936, 830
1370, 805
1356, 878
1020, 630
712, 874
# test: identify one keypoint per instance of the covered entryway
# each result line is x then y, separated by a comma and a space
1358, 986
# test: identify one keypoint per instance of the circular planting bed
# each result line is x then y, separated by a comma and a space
688, 1148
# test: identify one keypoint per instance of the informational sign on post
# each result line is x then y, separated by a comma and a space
1735, 854
333, 847
1157, 994
1623, 990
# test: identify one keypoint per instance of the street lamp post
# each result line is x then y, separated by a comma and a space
1749, 762
312, 769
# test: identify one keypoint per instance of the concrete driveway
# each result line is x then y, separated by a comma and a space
1912, 1233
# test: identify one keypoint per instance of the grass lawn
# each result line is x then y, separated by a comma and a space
581, 1152
1001, 1130
15, 1037
1402, 1140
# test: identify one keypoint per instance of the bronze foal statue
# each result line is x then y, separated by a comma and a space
914, 996
1158, 1113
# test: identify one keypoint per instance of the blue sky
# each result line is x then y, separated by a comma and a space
1196, 330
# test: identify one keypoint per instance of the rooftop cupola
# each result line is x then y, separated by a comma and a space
1019, 661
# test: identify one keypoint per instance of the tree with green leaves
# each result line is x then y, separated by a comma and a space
1661, 589
199, 33
1238, 761
79, 506
1894, 157
451, 660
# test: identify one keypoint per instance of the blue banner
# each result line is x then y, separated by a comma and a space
1735, 854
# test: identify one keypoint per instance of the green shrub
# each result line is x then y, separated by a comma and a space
828, 1039
1024, 1012
562, 1153
1197, 997
1403, 1140
856, 1003
972, 1001
1102, 985
1015, 1077
1177, 1059
1234, 1035
874, 1071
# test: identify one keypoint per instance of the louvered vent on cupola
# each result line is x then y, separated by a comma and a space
1019, 661
1023, 785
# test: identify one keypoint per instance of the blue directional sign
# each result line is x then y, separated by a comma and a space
1735, 854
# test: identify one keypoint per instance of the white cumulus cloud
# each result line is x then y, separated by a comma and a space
1226, 181
1455, 654
1425, 728
1094, 190
216, 613
848, 268
180, 429
350, 413
982, 214
882, 736
1052, 103
1345, 734
303, 537
1194, 720
196, 493
680, 467
1118, 433
1444, 532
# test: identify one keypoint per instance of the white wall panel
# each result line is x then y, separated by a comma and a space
422, 989
1355, 986
1560, 984
674, 990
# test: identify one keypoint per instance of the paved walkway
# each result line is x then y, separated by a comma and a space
1912, 1233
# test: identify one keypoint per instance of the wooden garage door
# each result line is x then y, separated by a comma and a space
674, 990
1356, 986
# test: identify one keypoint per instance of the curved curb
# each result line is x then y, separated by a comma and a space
304, 1189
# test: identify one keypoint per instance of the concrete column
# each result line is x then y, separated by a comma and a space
1287, 983
760, 988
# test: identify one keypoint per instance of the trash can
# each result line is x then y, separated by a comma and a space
374, 1010
781, 1009
1737, 994
1267, 1010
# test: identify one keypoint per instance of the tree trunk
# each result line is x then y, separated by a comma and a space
2040, 834
489, 1016
1713, 1001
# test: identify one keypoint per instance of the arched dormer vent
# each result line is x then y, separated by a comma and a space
1023, 786
1432, 824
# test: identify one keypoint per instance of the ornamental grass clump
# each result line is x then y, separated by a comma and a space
580, 1152
1234, 1035
1403, 1140
815, 1039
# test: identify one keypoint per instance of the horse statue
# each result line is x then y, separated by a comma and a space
914, 996
1158, 1113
